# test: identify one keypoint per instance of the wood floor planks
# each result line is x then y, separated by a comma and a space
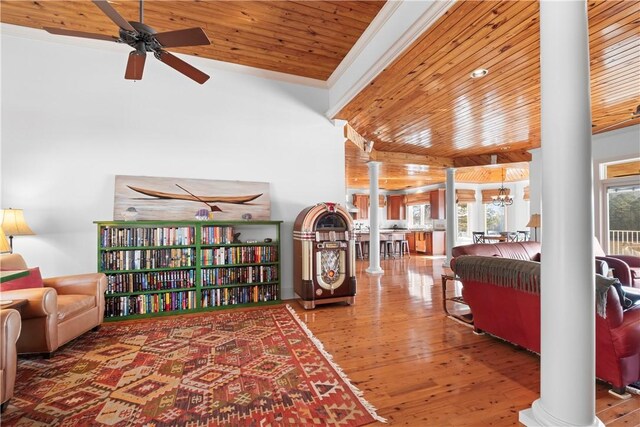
420, 368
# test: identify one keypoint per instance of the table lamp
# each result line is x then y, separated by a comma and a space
14, 224
534, 223
4, 243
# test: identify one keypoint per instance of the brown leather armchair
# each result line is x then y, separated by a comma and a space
65, 308
10, 324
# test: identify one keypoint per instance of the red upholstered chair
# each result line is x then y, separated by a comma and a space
626, 268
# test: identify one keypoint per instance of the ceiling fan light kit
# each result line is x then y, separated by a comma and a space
145, 39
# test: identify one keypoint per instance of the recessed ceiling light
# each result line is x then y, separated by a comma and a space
480, 72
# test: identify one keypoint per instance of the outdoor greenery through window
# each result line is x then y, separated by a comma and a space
495, 218
624, 219
463, 220
419, 215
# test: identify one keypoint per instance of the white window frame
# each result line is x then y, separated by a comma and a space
423, 220
468, 216
484, 217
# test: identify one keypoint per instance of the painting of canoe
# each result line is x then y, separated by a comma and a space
212, 199
160, 198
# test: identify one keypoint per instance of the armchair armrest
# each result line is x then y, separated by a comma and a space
78, 284
10, 325
620, 269
41, 302
632, 261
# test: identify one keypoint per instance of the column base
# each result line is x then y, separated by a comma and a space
536, 416
374, 270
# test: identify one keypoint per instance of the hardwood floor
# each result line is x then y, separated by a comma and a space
420, 368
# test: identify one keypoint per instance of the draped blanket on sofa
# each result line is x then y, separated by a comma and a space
511, 273
521, 275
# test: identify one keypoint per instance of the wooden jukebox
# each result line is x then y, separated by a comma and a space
324, 256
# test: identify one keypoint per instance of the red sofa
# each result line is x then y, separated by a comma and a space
513, 315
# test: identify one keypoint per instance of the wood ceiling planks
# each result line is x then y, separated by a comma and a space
303, 38
425, 102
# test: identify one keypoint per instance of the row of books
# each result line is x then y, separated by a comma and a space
215, 235
149, 303
147, 259
153, 280
242, 295
144, 236
239, 255
229, 275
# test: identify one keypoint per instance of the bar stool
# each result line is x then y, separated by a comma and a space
385, 244
397, 243
364, 242
359, 253
404, 248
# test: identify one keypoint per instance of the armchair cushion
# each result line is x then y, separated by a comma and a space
71, 305
32, 280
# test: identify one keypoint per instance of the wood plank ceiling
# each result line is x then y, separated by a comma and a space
426, 104
303, 38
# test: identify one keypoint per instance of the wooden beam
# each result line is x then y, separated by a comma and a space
352, 135
393, 158
485, 159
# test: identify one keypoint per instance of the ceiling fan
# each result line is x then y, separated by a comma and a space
145, 39
634, 115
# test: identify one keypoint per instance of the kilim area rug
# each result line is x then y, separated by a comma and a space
254, 367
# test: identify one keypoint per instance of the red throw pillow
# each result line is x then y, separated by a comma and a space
31, 280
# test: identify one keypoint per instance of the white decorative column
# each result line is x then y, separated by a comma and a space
567, 360
452, 214
535, 188
374, 225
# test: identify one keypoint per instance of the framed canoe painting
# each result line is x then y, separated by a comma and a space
154, 198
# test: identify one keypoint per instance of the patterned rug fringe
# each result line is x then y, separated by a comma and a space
356, 391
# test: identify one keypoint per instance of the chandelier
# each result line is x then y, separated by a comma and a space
502, 199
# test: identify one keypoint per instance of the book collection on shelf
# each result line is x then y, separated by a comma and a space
155, 267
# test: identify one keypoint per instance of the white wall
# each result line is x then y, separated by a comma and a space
70, 123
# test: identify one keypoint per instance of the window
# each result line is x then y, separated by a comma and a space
623, 203
495, 218
463, 220
620, 201
419, 215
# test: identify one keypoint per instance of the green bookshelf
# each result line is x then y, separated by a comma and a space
158, 268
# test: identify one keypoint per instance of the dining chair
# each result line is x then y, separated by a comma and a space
478, 236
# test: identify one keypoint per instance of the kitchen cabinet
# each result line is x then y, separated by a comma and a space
411, 237
430, 242
438, 204
361, 201
396, 207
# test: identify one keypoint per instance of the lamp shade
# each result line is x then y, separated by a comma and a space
4, 243
534, 222
14, 224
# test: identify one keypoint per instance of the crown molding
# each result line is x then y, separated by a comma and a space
369, 33
434, 10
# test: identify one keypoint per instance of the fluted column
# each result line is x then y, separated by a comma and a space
567, 359
374, 225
